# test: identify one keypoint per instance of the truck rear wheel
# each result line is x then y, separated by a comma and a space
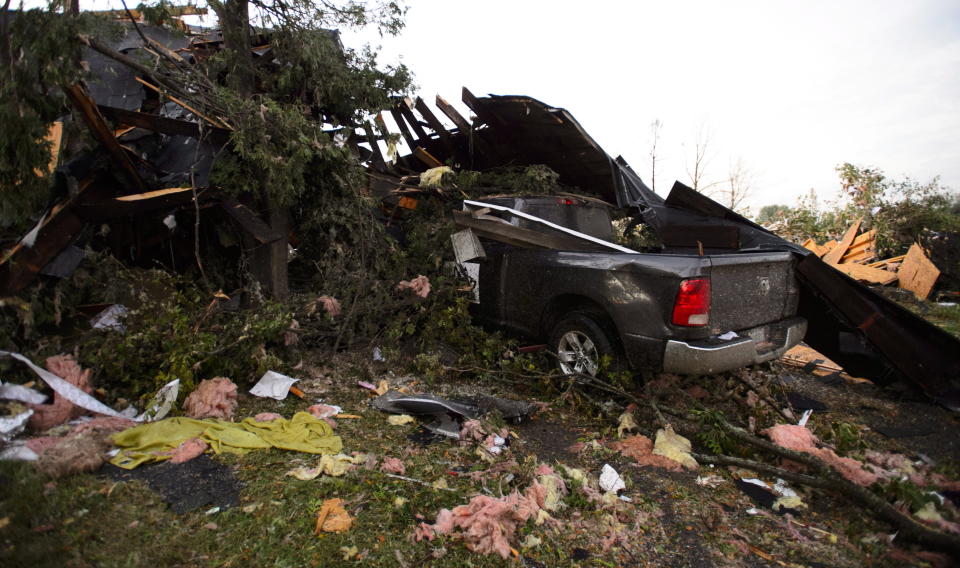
581, 343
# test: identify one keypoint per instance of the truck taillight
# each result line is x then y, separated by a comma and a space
692, 307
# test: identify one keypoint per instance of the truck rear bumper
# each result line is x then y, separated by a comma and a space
751, 346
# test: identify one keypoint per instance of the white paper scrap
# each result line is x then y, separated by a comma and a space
273, 385
10, 426
728, 336
18, 451
161, 403
610, 480
110, 318
65, 389
12, 391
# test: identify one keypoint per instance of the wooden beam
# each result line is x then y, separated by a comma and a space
98, 126
426, 157
526, 238
404, 131
454, 116
250, 221
917, 273
466, 129
474, 104
436, 125
378, 162
135, 204
165, 125
834, 256
405, 106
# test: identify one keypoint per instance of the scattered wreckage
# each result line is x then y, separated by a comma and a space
161, 152
869, 335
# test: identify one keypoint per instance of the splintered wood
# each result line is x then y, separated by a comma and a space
856, 256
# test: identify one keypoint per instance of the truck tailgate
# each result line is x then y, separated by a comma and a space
750, 289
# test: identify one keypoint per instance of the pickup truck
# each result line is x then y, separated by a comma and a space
687, 311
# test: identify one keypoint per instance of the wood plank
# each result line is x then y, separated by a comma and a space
404, 131
405, 106
250, 221
526, 238
474, 104
862, 249
98, 126
866, 274
378, 162
834, 256
112, 208
917, 273
436, 125
164, 125
426, 157
454, 116
887, 261
466, 130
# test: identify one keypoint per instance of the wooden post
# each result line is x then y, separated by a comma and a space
268, 262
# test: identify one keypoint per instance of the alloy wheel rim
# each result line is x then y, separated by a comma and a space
578, 354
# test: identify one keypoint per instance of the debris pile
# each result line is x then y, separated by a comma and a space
855, 255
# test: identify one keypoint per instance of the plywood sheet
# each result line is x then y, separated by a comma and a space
917, 273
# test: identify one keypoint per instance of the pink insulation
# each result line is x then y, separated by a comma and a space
420, 285
46, 416
188, 450
640, 448
106, 424
331, 305
800, 439
214, 398
393, 465
488, 524
267, 416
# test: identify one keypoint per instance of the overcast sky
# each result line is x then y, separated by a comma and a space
792, 89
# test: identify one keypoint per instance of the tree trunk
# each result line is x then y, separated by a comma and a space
234, 17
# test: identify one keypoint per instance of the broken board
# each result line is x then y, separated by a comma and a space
917, 273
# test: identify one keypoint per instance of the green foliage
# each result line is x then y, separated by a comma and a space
772, 213
905, 491
39, 55
900, 210
846, 437
173, 330
712, 435
157, 14
536, 179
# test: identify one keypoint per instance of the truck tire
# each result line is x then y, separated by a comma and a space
580, 342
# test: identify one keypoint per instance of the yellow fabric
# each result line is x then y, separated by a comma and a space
151, 441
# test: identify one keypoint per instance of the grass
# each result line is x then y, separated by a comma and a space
90, 520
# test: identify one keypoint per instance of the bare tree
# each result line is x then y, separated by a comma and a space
655, 127
701, 158
739, 184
